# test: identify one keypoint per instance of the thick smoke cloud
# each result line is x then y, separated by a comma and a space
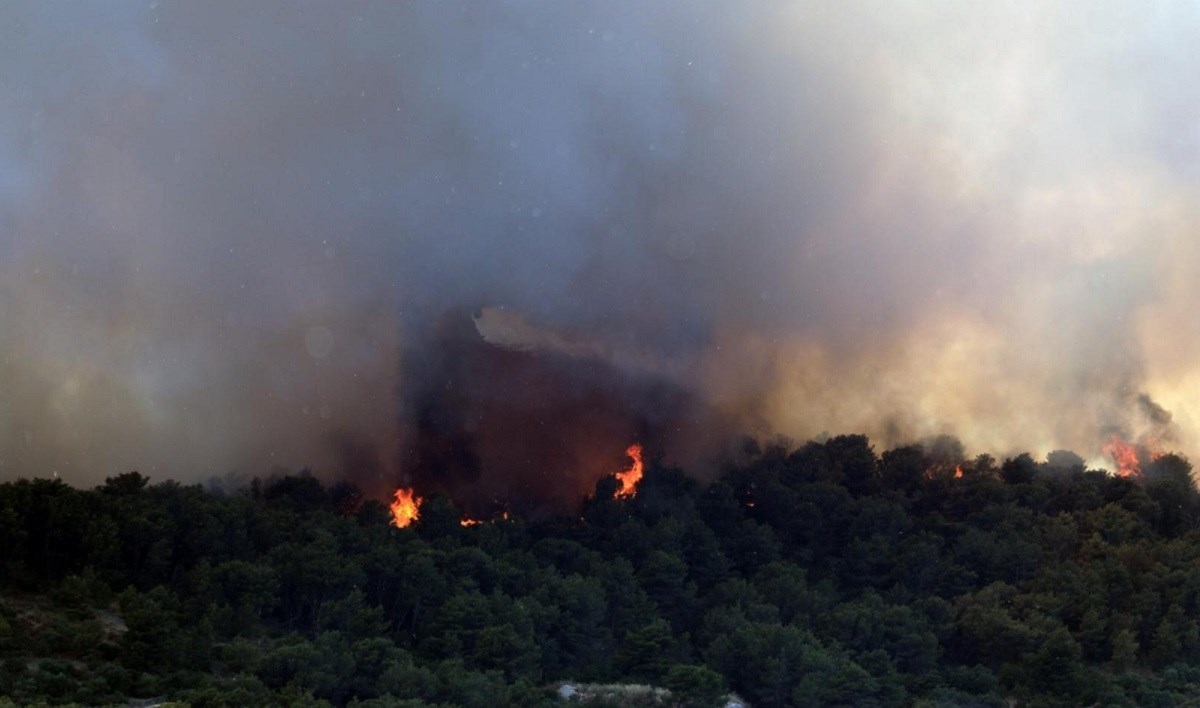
230, 233
500, 421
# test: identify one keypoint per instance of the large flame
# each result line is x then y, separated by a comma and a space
630, 477
405, 507
1124, 455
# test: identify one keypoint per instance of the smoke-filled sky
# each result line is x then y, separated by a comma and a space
226, 227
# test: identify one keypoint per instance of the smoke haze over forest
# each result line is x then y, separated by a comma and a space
235, 236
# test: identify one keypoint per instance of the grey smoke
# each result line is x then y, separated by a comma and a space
224, 227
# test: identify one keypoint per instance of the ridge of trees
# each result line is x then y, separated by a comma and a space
820, 575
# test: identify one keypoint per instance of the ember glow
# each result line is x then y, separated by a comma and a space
1153, 446
405, 507
468, 521
631, 476
1124, 455
942, 470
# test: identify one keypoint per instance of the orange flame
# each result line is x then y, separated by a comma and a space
630, 477
405, 507
1153, 445
1124, 455
942, 471
468, 521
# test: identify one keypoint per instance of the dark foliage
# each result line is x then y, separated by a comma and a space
825, 575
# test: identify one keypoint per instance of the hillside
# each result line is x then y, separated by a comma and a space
823, 575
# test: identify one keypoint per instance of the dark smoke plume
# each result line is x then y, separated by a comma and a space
240, 236
489, 423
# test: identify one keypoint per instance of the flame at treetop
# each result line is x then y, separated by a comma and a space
630, 477
468, 521
1124, 455
405, 507
1153, 445
941, 470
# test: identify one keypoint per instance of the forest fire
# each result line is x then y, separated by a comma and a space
631, 476
468, 521
1124, 455
1153, 446
942, 470
405, 507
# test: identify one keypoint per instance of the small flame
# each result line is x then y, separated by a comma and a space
405, 507
468, 521
1124, 455
941, 470
630, 477
1153, 445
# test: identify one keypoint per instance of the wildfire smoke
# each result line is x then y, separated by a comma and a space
243, 263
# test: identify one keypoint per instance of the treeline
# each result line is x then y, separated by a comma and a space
824, 575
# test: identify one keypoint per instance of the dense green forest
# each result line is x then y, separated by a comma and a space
821, 575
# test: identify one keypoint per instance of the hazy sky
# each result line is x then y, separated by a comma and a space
223, 225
